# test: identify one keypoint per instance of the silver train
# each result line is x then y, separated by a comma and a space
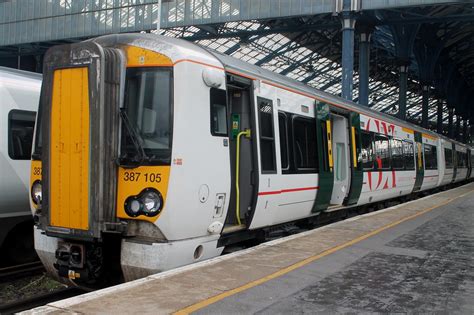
19, 97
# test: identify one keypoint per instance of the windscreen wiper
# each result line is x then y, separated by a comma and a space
135, 137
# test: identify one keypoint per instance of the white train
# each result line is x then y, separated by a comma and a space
19, 98
156, 153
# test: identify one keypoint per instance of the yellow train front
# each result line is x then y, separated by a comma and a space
126, 175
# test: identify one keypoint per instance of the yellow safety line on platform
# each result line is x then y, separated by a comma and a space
281, 272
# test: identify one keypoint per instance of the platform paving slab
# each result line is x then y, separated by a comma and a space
425, 265
406, 267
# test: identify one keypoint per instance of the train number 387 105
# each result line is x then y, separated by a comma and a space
148, 177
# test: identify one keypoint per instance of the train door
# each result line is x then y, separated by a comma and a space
244, 173
455, 162
469, 164
341, 159
338, 142
356, 171
419, 161
325, 159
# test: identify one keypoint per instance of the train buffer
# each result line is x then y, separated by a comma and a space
415, 257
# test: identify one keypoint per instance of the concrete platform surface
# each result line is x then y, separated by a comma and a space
417, 257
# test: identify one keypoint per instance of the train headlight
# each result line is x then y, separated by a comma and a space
152, 202
133, 206
36, 192
149, 202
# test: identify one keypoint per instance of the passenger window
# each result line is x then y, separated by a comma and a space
340, 161
396, 148
448, 157
382, 152
431, 159
218, 113
304, 133
462, 159
267, 139
409, 155
21, 124
367, 157
283, 128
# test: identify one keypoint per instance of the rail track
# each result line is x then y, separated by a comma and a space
39, 300
21, 271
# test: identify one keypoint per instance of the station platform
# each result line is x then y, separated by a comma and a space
416, 257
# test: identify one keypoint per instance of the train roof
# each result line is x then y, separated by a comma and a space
235, 65
10, 72
20, 87
177, 49
19, 80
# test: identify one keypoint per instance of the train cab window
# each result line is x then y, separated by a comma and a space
267, 139
21, 124
218, 112
396, 148
382, 152
367, 150
431, 158
283, 128
448, 157
408, 155
147, 112
304, 141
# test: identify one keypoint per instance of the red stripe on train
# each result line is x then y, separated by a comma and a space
277, 192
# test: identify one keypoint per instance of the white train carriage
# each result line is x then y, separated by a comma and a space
446, 154
176, 151
471, 162
19, 97
462, 160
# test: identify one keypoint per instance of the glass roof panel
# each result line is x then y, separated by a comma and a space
279, 54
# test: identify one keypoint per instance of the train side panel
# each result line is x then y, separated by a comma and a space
383, 181
284, 197
461, 162
446, 162
19, 95
472, 163
430, 161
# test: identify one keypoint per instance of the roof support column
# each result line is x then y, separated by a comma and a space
39, 64
425, 104
404, 38
402, 92
348, 24
450, 122
364, 65
439, 123
458, 127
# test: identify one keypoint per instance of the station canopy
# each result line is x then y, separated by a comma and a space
300, 39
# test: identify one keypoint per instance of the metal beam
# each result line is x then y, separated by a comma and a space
427, 19
223, 33
364, 66
297, 64
289, 46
